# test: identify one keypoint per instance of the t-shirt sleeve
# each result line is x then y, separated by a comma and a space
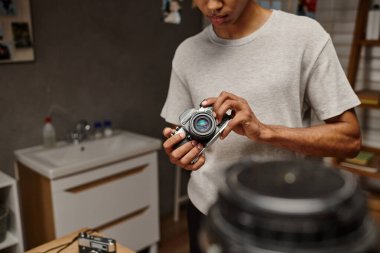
328, 91
177, 101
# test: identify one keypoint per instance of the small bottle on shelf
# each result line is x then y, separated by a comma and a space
107, 128
98, 133
373, 23
48, 133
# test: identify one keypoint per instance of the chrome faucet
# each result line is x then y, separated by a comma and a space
81, 132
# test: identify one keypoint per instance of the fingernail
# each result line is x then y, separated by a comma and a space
199, 146
204, 102
182, 134
214, 114
193, 143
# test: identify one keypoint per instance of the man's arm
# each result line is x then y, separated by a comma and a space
339, 137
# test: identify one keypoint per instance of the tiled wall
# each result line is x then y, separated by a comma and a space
98, 60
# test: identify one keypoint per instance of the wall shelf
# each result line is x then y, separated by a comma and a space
369, 98
10, 240
13, 242
369, 43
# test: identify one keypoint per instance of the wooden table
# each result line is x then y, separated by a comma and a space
73, 248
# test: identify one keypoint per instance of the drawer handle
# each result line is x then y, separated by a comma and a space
124, 218
105, 180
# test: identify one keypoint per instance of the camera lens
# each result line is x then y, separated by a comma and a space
290, 206
202, 126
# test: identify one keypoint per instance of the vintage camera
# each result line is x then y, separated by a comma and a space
200, 125
95, 244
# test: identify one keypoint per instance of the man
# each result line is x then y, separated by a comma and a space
273, 70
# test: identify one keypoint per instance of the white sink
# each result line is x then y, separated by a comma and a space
66, 159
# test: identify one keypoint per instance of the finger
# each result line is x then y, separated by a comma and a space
208, 101
239, 120
178, 153
228, 104
223, 96
199, 163
192, 154
226, 131
167, 132
170, 142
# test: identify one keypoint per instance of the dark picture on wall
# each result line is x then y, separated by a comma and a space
7, 7
21, 35
16, 31
4, 52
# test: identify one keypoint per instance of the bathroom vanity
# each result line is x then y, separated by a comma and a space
109, 184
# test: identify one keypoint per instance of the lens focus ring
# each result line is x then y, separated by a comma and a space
202, 126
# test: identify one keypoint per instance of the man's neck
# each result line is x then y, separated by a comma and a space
253, 17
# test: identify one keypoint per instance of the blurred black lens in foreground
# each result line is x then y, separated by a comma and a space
295, 206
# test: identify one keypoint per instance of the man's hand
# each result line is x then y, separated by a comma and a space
185, 154
243, 122
339, 137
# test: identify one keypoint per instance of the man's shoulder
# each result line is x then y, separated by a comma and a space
193, 42
298, 21
300, 28
190, 49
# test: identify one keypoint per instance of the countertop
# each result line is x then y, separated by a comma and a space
55, 162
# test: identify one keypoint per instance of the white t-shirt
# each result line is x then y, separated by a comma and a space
285, 70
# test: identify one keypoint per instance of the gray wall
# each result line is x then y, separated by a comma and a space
98, 60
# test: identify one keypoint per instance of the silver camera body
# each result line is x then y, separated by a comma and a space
200, 125
95, 244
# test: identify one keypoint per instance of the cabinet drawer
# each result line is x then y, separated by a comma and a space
138, 231
104, 194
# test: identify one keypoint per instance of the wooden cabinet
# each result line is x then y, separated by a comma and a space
13, 242
119, 199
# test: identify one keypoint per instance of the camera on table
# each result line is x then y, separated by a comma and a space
95, 244
200, 125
